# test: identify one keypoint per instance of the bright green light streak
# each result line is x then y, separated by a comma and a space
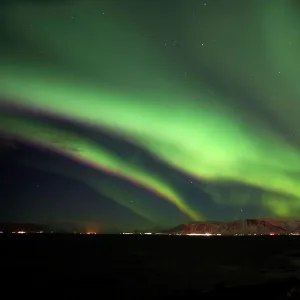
87, 151
203, 140
196, 134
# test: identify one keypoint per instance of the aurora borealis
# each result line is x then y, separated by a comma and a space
172, 111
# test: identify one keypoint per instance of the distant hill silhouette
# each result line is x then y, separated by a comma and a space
248, 226
28, 227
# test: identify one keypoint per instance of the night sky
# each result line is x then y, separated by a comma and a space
122, 115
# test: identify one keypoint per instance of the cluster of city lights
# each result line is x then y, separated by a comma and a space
86, 233
209, 234
22, 232
189, 234
170, 234
39, 232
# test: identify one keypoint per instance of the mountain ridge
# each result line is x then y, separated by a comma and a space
22, 226
246, 226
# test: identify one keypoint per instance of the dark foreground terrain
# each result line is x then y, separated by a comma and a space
149, 267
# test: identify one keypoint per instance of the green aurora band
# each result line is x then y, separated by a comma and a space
187, 125
87, 152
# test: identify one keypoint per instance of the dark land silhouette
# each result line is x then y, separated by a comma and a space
26, 227
248, 226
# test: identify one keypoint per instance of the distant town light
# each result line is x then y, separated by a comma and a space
202, 234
